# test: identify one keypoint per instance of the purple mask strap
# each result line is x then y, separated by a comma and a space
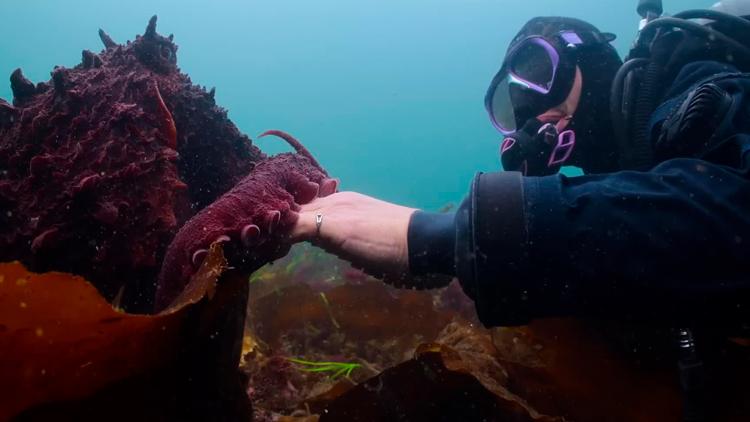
566, 142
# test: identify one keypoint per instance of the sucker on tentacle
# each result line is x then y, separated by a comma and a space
297, 145
254, 216
198, 257
249, 235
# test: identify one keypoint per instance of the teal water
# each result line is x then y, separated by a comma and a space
386, 93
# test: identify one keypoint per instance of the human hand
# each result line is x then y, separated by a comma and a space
252, 221
369, 233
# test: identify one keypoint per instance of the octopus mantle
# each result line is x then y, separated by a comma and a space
106, 165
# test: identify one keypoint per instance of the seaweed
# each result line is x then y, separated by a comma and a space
419, 350
66, 354
336, 369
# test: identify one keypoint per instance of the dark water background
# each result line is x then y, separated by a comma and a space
387, 93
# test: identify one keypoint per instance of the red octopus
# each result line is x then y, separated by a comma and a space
258, 207
120, 169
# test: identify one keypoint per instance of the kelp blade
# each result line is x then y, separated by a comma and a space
60, 340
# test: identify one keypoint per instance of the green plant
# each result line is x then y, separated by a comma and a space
336, 369
299, 257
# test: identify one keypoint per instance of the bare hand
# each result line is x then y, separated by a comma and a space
370, 233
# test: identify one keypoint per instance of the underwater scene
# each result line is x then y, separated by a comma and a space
422, 210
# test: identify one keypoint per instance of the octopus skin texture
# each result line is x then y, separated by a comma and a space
103, 165
246, 218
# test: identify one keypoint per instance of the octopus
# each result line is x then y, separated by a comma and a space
122, 170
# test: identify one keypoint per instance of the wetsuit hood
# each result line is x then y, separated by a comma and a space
596, 149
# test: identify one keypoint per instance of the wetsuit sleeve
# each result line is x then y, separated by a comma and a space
432, 239
671, 244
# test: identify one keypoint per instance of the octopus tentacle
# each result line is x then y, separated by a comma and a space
297, 145
253, 216
169, 128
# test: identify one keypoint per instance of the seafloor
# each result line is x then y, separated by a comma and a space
421, 355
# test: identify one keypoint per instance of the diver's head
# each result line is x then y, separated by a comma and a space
559, 71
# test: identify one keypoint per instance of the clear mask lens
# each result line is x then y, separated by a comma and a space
501, 107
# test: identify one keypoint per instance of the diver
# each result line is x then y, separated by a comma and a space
531, 242
658, 227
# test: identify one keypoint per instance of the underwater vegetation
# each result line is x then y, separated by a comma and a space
334, 369
423, 356
66, 354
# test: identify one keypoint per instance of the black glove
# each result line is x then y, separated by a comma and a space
530, 150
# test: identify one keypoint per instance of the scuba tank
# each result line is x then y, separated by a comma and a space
733, 7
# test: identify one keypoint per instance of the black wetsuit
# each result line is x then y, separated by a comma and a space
670, 244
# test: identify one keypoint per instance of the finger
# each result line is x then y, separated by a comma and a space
336, 198
315, 205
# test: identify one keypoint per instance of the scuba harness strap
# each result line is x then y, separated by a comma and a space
638, 85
